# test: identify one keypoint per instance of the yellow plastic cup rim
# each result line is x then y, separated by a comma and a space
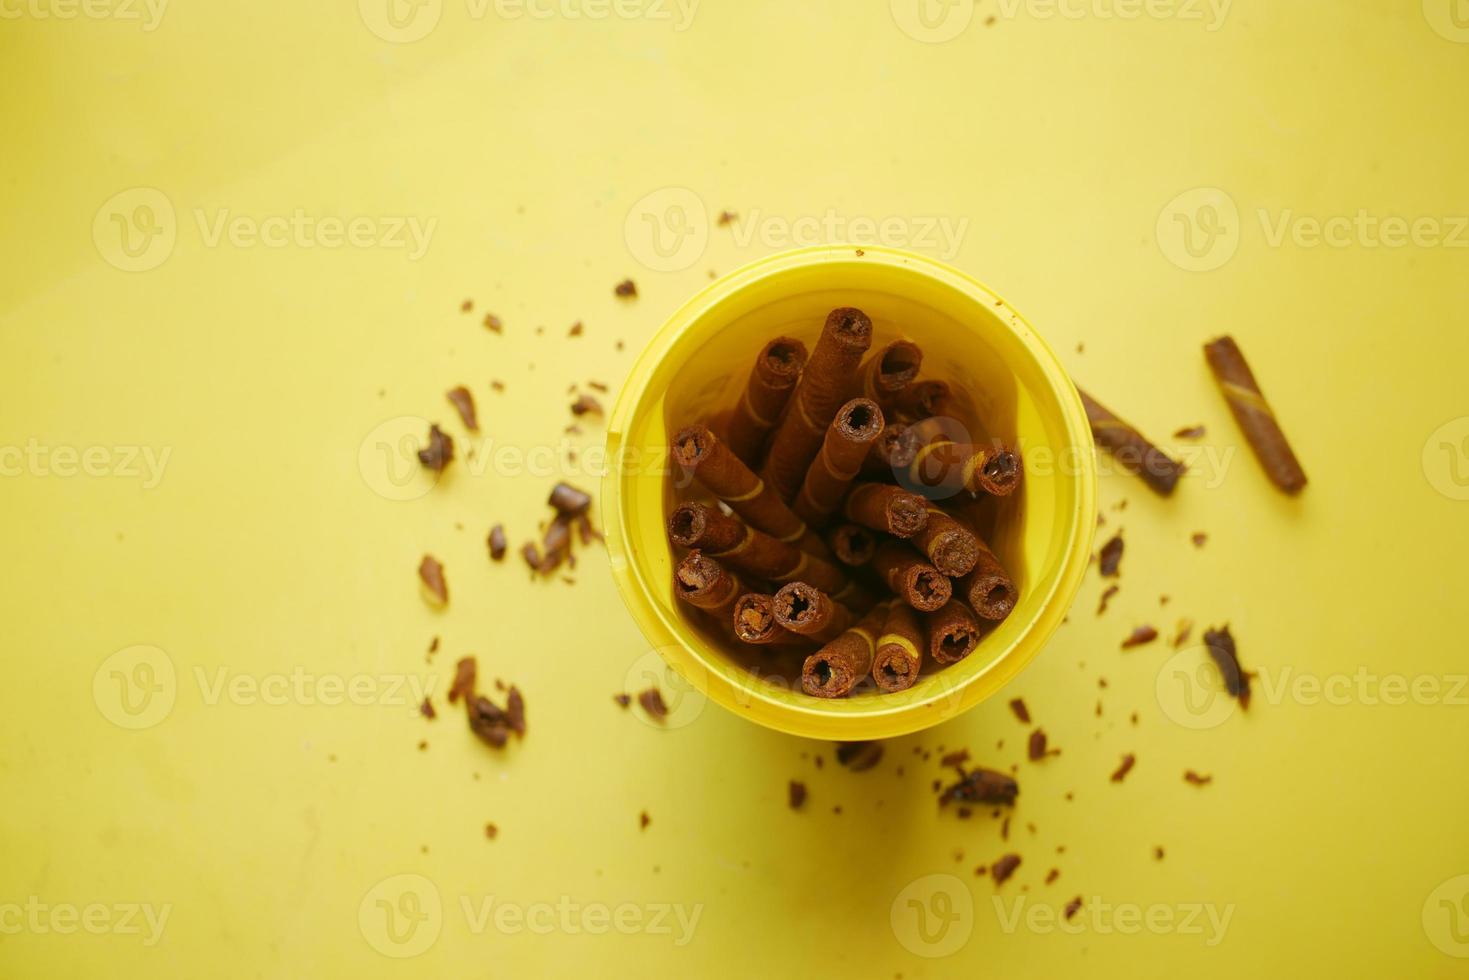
643, 578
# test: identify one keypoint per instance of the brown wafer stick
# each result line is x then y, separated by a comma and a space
821, 391
836, 668
706, 584
949, 465
887, 508
951, 546
755, 623
899, 649
1131, 448
911, 578
804, 609
750, 551
714, 464
888, 373
852, 544
953, 633
988, 589
857, 425
1254, 415
920, 400
892, 453
772, 379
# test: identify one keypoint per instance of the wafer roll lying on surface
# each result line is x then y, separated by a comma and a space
750, 551
953, 632
1254, 414
920, 400
900, 648
888, 373
1131, 448
804, 609
754, 621
772, 379
892, 453
948, 466
988, 589
820, 392
856, 426
949, 544
911, 578
835, 669
886, 508
705, 584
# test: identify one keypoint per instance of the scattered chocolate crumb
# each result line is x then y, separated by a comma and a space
1190, 776
1198, 538
837, 809
532, 556
423, 746
1158, 853
427, 709
1073, 906
1052, 875
491, 831
439, 452
963, 813
644, 820
433, 646
1140, 635
432, 575
1005, 829
981, 871
497, 385
1128, 761
627, 288
1021, 711
598, 386
488, 721
497, 542
585, 404
1004, 868
859, 756
623, 700
1037, 749
464, 680
797, 794
820, 762
492, 322
1190, 432
726, 217
619, 345
1110, 557
1221, 648
576, 329
955, 758
1107, 597
981, 786
1182, 632
569, 501
1134, 717
515, 710
652, 702
1099, 707
466, 306
463, 403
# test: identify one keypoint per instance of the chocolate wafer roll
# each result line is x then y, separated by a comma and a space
804, 609
951, 546
750, 551
911, 578
1131, 448
754, 621
821, 391
888, 373
853, 544
704, 583
773, 378
857, 424
892, 453
714, 464
836, 668
920, 400
886, 508
1254, 414
946, 466
899, 649
988, 589
953, 633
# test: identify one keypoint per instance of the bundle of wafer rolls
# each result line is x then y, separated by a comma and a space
825, 515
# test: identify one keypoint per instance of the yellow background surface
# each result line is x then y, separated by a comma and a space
547, 152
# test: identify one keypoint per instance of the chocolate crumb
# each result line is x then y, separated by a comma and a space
576, 329
491, 831
1037, 749
1128, 761
1140, 636
497, 385
1021, 711
797, 791
466, 306
423, 746
1190, 776
439, 452
432, 575
1005, 829
726, 218
981, 786
532, 556
463, 403
1073, 906
1004, 868
623, 700
515, 710
627, 289
652, 702
644, 820
1181, 634
1110, 557
859, 756
1158, 853
1052, 875
956, 758
492, 322
1198, 538
497, 542
427, 709
586, 404
1107, 597
1222, 649
569, 501
1190, 432
488, 721
433, 646
464, 680
598, 386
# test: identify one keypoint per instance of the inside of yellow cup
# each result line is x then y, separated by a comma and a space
970, 339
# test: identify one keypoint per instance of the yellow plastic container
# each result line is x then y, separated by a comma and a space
697, 365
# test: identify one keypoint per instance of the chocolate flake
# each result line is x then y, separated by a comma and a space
1052, 875
1140, 636
1037, 748
1183, 632
627, 289
797, 794
859, 756
515, 710
532, 556
569, 501
726, 218
432, 575
1073, 906
427, 709
464, 680
652, 702
1226, 658
1110, 556
463, 403
1021, 712
439, 452
1198, 538
586, 404
488, 721
956, 758
497, 542
492, 322
491, 831
1107, 597
576, 329
1004, 868
623, 700
982, 786
644, 820
1189, 776
1190, 432
1128, 761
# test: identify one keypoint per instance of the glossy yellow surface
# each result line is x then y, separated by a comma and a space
207, 389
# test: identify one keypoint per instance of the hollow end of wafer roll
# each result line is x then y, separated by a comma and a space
853, 544
990, 592
953, 551
953, 633
1000, 473
703, 582
895, 667
906, 515
894, 449
780, 362
926, 588
754, 619
895, 367
687, 524
859, 420
692, 444
805, 609
923, 399
849, 327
